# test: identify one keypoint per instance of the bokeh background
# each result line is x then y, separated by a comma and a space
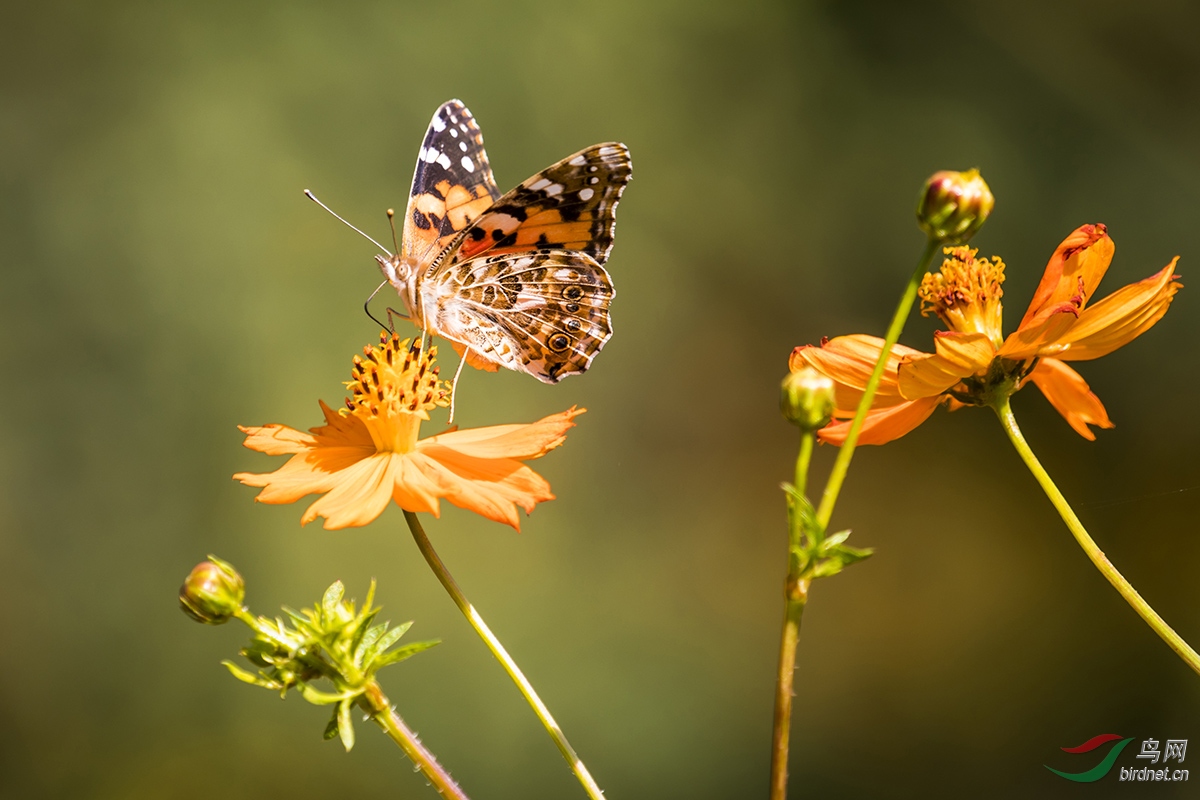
163, 279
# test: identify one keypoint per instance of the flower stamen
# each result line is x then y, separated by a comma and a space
965, 293
393, 393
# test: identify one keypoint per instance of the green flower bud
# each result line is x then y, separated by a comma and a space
953, 205
213, 592
806, 399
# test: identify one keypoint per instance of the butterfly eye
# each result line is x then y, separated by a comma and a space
558, 342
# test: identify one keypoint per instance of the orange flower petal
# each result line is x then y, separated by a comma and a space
532, 440
413, 490
1121, 317
316, 470
276, 439
1074, 271
1043, 335
849, 361
958, 356
491, 487
1070, 396
359, 495
884, 425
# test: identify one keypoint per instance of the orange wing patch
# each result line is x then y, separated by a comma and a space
452, 185
568, 206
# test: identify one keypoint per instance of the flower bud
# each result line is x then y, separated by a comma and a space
213, 592
806, 399
953, 205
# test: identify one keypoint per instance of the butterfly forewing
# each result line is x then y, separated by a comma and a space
568, 206
544, 313
452, 185
517, 280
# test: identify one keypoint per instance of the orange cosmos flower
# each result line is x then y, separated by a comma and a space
974, 363
369, 453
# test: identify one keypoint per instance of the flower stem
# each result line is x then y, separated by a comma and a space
797, 592
838, 474
795, 598
1151, 617
510, 666
386, 717
802, 462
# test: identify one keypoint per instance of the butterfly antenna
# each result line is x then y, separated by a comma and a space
454, 385
367, 308
391, 212
313, 197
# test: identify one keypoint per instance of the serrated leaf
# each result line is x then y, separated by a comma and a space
399, 655
346, 725
250, 677
333, 596
319, 698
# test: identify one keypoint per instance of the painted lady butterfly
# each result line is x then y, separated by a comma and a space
518, 280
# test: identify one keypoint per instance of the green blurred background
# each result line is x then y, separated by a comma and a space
164, 280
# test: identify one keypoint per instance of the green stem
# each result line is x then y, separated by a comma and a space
386, 717
795, 598
1151, 617
802, 462
510, 666
838, 474
797, 592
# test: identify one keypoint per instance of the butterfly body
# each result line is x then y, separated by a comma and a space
514, 280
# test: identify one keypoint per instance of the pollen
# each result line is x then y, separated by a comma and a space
965, 293
396, 377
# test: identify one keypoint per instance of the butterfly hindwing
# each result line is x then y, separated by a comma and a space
544, 313
452, 185
568, 206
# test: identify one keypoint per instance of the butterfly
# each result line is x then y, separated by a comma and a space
514, 280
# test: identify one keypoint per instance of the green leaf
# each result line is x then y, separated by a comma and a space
250, 677
393, 636
808, 513
835, 539
298, 616
333, 596
346, 725
370, 599
407, 651
225, 565
319, 698
369, 638
826, 567
852, 555
331, 729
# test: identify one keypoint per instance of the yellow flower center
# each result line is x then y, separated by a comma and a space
965, 294
395, 385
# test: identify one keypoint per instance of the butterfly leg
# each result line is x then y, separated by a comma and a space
454, 385
392, 314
